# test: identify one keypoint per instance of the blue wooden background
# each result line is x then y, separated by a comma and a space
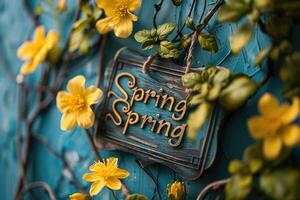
16, 27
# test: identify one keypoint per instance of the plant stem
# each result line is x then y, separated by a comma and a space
93, 145
113, 194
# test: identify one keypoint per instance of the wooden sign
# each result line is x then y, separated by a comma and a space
146, 114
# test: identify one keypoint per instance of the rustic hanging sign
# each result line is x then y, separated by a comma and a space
145, 114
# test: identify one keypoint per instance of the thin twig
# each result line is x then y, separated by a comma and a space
155, 182
182, 27
66, 164
270, 72
34, 17
42, 185
101, 59
213, 186
157, 9
93, 145
147, 63
201, 26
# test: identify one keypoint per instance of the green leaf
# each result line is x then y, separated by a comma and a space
81, 24
54, 54
236, 166
281, 183
255, 165
253, 152
204, 89
275, 53
177, 2
137, 197
289, 73
279, 27
164, 30
241, 37
195, 100
214, 92
208, 74
87, 10
191, 79
222, 77
168, 50
185, 41
264, 5
38, 10
208, 42
286, 47
97, 13
237, 93
75, 40
190, 24
197, 119
142, 35
263, 54
233, 11
238, 187
148, 44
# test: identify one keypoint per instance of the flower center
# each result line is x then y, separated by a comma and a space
78, 103
122, 10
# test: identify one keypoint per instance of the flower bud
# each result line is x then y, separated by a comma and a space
79, 196
61, 5
176, 191
237, 92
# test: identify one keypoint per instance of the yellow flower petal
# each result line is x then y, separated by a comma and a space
97, 166
272, 147
52, 39
96, 187
39, 34
132, 17
134, 4
291, 135
62, 101
40, 55
76, 85
27, 50
123, 28
28, 67
105, 25
260, 126
91, 177
68, 121
78, 196
92, 95
120, 173
268, 105
113, 183
109, 6
112, 162
85, 118
290, 112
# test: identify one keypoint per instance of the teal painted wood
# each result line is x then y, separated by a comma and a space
16, 27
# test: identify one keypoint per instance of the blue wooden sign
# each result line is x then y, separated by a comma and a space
146, 114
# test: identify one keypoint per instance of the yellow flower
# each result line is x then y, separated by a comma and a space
105, 174
274, 126
176, 191
35, 51
75, 104
119, 16
79, 196
61, 5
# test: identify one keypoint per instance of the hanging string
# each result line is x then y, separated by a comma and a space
189, 58
146, 65
202, 25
